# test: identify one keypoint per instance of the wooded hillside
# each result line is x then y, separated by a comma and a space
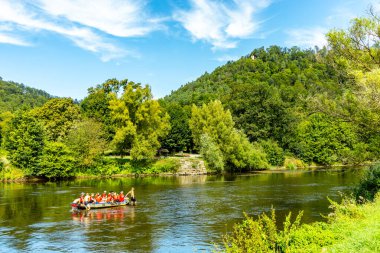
14, 96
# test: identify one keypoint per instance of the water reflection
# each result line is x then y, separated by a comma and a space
118, 214
174, 213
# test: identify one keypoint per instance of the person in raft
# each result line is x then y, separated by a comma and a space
133, 198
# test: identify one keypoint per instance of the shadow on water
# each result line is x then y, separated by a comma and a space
174, 214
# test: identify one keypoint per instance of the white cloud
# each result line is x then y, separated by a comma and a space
220, 24
123, 18
307, 38
79, 21
10, 39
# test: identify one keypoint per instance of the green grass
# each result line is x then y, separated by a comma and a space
359, 234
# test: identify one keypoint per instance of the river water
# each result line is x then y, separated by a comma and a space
174, 214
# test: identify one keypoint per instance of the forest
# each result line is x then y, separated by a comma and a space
275, 107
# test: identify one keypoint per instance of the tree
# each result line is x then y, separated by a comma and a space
57, 116
359, 46
56, 161
139, 121
217, 124
358, 50
324, 140
97, 104
179, 137
24, 140
87, 141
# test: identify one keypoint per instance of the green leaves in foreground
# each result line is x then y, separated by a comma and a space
262, 234
351, 227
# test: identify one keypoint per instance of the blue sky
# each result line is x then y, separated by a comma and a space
67, 46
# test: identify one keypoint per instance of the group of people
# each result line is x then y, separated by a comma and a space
111, 197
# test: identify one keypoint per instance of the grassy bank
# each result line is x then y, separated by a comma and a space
350, 228
353, 226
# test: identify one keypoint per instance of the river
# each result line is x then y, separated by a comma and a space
174, 214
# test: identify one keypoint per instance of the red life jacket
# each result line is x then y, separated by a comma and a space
121, 197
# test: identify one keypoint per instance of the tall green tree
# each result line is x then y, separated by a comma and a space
139, 121
215, 122
97, 104
358, 50
24, 139
56, 161
87, 141
57, 115
357, 47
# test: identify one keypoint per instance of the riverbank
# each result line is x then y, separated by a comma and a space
353, 226
121, 167
116, 166
350, 228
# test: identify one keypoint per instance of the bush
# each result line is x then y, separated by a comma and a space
292, 163
369, 185
262, 235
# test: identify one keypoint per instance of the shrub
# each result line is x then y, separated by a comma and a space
292, 163
261, 235
369, 185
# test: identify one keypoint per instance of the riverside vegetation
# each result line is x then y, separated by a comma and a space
274, 107
353, 226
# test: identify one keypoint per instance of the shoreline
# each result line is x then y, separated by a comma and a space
169, 174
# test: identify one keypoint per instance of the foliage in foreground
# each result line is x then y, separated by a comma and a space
351, 227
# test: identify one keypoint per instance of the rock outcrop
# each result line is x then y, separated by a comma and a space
192, 166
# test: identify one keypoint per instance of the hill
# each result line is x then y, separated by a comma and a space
273, 95
14, 96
